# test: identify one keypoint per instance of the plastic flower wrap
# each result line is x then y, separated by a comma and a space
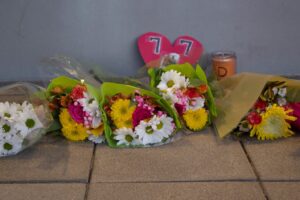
186, 89
257, 105
75, 105
24, 117
135, 117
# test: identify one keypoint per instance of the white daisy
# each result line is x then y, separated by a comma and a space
172, 80
195, 103
282, 92
95, 139
26, 107
163, 125
10, 146
7, 129
27, 121
125, 136
8, 111
155, 130
146, 133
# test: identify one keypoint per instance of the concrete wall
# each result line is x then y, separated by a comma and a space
264, 33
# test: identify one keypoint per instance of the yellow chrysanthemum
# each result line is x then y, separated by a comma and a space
77, 132
71, 130
65, 118
273, 124
122, 110
124, 123
195, 119
97, 131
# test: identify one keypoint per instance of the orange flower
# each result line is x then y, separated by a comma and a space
203, 88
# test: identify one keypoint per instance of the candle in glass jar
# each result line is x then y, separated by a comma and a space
224, 63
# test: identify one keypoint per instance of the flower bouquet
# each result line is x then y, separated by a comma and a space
270, 117
257, 105
75, 105
135, 117
186, 89
24, 117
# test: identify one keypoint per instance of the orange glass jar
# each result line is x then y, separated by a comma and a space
224, 63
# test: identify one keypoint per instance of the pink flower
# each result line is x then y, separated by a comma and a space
139, 114
182, 98
76, 112
296, 112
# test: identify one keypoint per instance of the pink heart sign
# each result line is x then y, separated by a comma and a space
153, 46
189, 48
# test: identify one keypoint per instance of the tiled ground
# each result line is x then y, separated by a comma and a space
198, 166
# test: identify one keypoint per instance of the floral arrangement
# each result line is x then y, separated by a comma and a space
24, 117
186, 89
136, 117
17, 121
76, 106
271, 115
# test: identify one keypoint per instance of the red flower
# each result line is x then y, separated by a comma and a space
77, 92
254, 118
139, 114
260, 104
296, 113
192, 93
180, 108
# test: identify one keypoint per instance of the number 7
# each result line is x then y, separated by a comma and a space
188, 45
157, 41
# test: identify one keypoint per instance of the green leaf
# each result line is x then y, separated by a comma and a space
196, 82
210, 97
55, 126
68, 84
185, 69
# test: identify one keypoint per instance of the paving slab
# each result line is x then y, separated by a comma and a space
42, 191
176, 191
282, 190
276, 160
53, 161
200, 156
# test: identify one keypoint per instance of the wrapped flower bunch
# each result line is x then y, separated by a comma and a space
187, 91
24, 117
76, 106
270, 117
136, 117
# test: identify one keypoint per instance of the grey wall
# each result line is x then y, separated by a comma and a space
264, 33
